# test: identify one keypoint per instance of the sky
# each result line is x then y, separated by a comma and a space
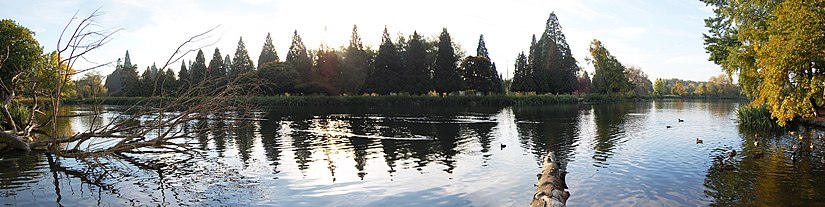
663, 38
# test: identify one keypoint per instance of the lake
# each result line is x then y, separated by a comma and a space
614, 154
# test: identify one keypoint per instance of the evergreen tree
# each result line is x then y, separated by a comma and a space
556, 61
147, 84
416, 72
243, 64
481, 50
522, 76
354, 65
327, 67
299, 59
480, 75
446, 77
534, 62
384, 77
114, 82
197, 69
183, 78
268, 53
170, 83
129, 78
216, 69
278, 77
227, 66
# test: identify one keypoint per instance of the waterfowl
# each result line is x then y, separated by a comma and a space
758, 155
668, 126
727, 162
731, 154
698, 140
681, 120
756, 143
503, 145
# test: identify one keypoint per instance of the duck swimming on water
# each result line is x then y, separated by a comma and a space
699, 141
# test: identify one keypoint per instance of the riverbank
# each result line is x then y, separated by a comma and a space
402, 100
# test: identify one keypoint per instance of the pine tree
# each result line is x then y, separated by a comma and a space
243, 64
535, 64
183, 78
268, 53
481, 50
446, 77
215, 69
416, 72
114, 82
354, 65
130, 79
227, 66
384, 77
556, 61
299, 59
522, 76
197, 69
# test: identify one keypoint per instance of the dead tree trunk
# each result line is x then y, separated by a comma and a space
14, 141
550, 190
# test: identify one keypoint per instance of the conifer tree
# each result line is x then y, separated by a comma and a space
481, 50
242, 63
446, 77
183, 77
522, 76
416, 72
130, 79
299, 59
227, 66
384, 76
197, 69
268, 52
354, 65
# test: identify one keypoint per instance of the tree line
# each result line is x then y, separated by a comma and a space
409, 65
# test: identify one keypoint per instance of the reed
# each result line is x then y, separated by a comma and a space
755, 116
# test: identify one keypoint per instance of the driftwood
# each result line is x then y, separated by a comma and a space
14, 141
550, 190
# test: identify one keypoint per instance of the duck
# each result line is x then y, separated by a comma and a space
731, 154
756, 143
681, 120
699, 141
668, 126
502, 145
727, 162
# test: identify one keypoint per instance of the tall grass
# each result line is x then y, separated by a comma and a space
755, 116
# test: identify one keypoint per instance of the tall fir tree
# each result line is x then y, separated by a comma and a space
197, 69
227, 66
383, 76
114, 81
268, 52
183, 78
354, 65
522, 76
130, 78
481, 50
215, 70
243, 64
416, 72
446, 77
556, 61
299, 59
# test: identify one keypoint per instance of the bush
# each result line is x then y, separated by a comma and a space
753, 116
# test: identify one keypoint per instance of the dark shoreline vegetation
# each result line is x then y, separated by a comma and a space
404, 100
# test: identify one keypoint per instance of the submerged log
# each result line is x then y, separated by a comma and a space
550, 190
14, 141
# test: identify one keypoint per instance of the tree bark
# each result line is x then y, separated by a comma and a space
550, 190
14, 141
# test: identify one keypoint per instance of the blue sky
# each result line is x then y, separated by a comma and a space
664, 38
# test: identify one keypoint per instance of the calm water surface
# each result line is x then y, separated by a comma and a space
617, 154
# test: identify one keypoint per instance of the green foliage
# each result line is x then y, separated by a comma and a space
242, 63
354, 65
19, 113
480, 76
755, 116
554, 62
19, 51
446, 76
278, 77
384, 75
325, 75
197, 69
299, 59
775, 48
90, 85
609, 78
416, 71
268, 53
522, 76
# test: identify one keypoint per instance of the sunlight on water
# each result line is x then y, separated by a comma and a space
617, 154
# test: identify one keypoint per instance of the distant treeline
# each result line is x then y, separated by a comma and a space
410, 65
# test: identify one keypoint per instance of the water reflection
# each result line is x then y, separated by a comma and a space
615, 154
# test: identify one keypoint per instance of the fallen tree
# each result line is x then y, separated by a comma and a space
146, 125
550, 190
